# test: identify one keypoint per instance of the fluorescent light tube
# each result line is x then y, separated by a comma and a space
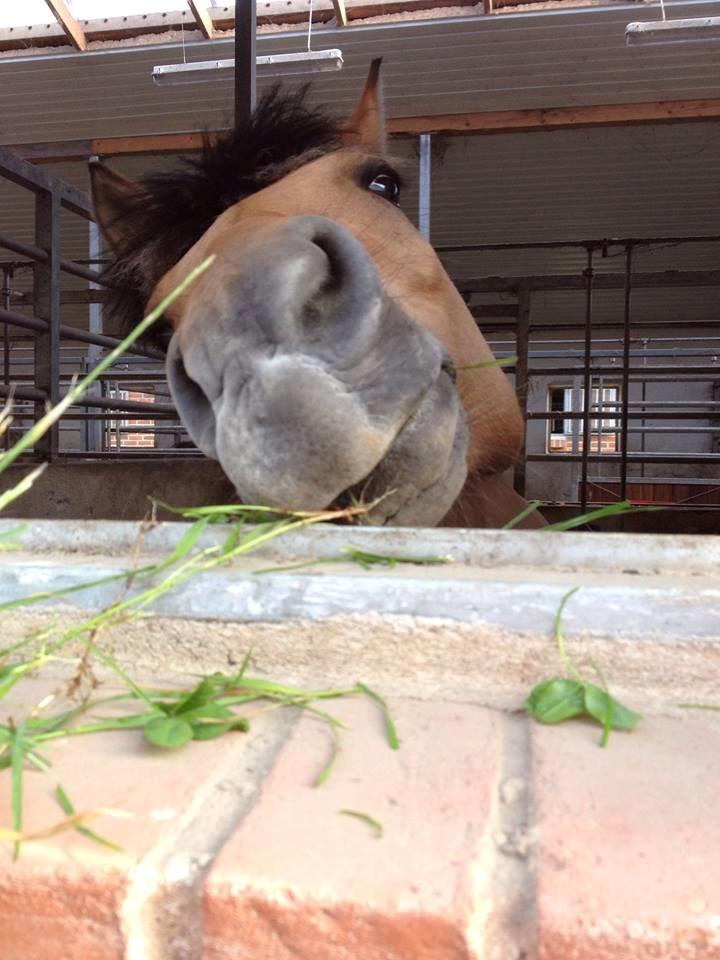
695, 29
277, 65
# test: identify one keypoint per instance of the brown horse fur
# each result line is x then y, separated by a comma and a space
291, 162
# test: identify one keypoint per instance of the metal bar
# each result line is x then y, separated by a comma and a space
135, 453
632, 458
245, 86
7, 292
75, 333
625, 389
522, 346
597, 325
93, 435
647, 415
424, 185
584, 244
648, 372
20, 320
47, 308
639, 415
587, 380
37, 255
175, 425
102, 403
25, 174
603, 281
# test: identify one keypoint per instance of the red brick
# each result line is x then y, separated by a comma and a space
629, 842
62, 899
300, 880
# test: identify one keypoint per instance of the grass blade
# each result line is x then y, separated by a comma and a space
390, 730
324, 774
530, 508
17, 761
66, 805
21, 487
366, 818
613, 510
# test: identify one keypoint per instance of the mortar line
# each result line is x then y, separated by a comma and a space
162, 911
505, 923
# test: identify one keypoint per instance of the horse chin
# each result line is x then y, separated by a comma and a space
423, 473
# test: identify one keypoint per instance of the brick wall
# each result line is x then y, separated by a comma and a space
141, 439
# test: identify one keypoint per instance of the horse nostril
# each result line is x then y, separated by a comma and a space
191, 401
332, 282
448, 367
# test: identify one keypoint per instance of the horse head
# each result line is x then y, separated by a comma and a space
319, 356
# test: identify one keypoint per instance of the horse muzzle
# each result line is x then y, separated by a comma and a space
293, 369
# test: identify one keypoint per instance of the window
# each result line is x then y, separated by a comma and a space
120, 433
565, 434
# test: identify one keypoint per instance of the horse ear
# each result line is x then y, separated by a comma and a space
114, 199
366, 126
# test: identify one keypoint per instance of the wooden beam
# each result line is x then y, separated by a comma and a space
454, 124
340, 12
202, 18
71, 28
558, 118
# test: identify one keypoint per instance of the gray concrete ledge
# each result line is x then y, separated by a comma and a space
480, 628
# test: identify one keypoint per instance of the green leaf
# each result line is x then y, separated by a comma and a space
168, 732
601, 705
210, 731
556, 700
198, 697
207, 711
366, 818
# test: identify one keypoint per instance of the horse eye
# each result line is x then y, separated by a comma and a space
386, 186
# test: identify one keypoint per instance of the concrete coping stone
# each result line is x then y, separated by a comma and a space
482, 549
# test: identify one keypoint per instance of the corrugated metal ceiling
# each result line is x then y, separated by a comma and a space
516, 61
651, 180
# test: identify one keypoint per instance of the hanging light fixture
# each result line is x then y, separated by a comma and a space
276, 65
685, 30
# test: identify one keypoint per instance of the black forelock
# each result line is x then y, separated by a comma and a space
177, 206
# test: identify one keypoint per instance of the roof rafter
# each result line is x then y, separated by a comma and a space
340, 12
71, 27
202, 17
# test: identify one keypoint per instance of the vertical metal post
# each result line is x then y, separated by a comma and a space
6, 295
424, 188
93, 428
47, 307
522, 347
625, 398
245, 30
587, 382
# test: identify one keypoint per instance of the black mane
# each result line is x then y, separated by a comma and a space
178, 206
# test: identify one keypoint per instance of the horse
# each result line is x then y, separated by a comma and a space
325, 356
